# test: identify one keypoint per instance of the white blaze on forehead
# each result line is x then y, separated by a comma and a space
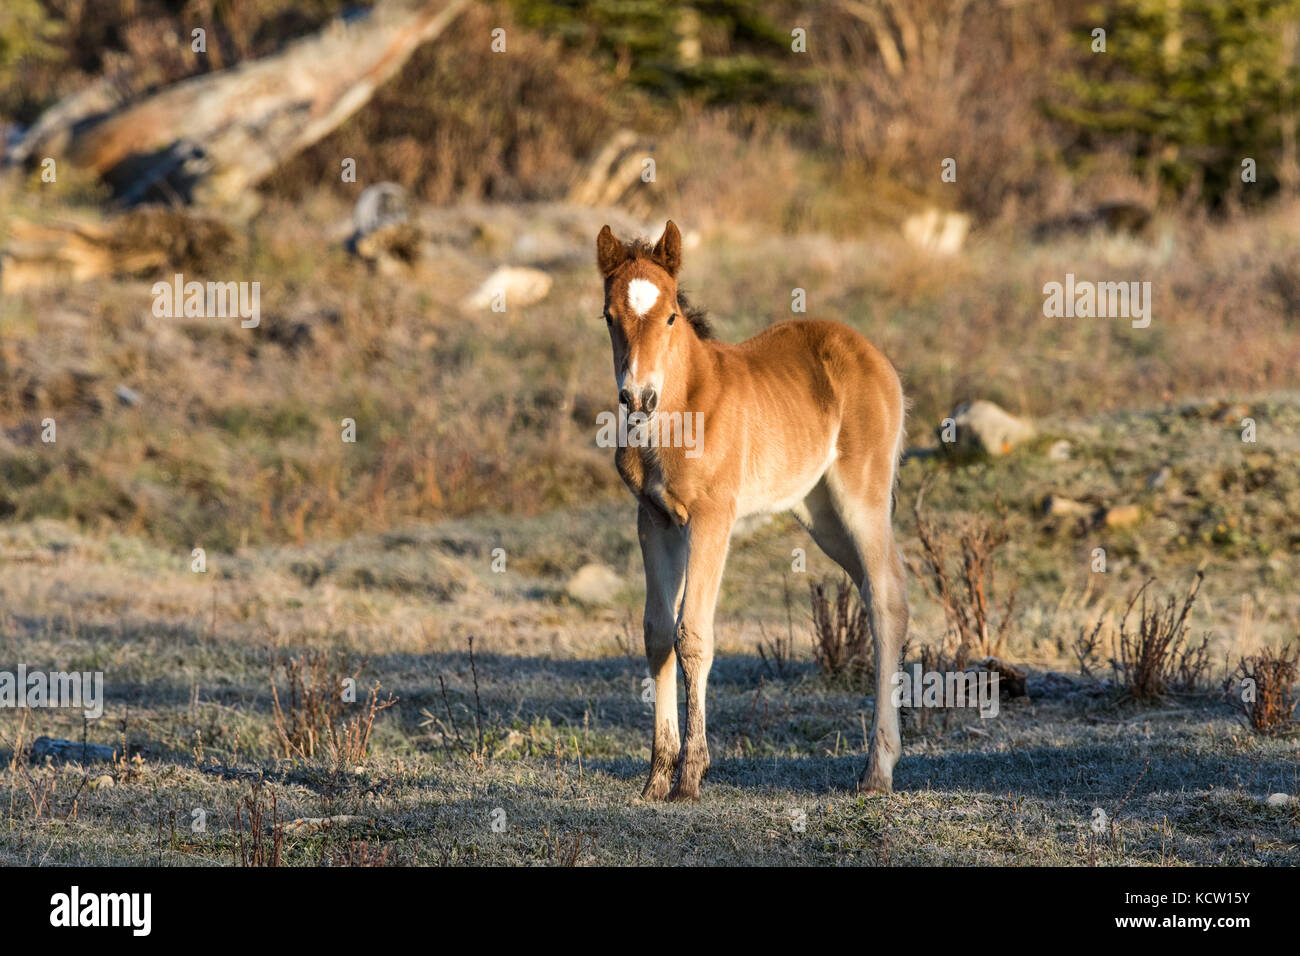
642, 294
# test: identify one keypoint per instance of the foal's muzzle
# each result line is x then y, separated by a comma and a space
647, 401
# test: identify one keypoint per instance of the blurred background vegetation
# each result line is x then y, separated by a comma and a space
886, 89
788, 169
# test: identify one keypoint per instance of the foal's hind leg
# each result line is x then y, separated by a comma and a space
865, 521
819, 514
890, 613
663, 551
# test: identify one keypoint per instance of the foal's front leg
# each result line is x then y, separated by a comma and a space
663, 551
707, 533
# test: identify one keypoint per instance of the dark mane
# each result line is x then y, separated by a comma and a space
639, 249
697, 316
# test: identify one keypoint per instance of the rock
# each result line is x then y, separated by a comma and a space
1060, 451
1051, 684
1122, 516
383, 232
390, 248
1011, 679
520, 285
52, 748
378, 206
1119, 217
127, 396
1159, 479
1229, 413
594, 584
1281, 800
981, 427
1057, 506
937, 232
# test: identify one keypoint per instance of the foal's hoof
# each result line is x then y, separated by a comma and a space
874, 781
656, 788
684, 793
691, 770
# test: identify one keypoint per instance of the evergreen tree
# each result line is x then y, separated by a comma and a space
1192, 88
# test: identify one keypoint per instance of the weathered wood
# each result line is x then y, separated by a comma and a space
52, 132
53, 748
209, 138
304, 825
137, 242
610, 174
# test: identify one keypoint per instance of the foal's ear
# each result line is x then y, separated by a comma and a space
668, 250
610, 253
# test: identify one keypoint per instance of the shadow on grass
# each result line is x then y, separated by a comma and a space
1090, 773
607, 694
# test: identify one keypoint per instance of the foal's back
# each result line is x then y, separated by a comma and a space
829, 363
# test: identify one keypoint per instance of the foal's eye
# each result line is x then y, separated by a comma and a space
608, 320
672, 318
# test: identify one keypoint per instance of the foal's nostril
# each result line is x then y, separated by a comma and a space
625, 398
649, 399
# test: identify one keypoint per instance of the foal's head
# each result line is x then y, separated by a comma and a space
644, 312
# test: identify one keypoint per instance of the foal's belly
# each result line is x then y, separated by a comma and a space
774, 486
784, 419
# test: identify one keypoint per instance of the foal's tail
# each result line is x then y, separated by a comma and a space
899, 441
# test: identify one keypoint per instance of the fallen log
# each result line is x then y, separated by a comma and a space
139, 242
208, 139
304, 825
612, 172
56, 749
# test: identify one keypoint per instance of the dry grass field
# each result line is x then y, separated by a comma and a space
314, 545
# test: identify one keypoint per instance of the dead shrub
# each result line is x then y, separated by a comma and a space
965, 584
359, 854
1268, 680
841, 632
260, 840
564, 850
1087, 647
933, 660
486, 736
314, 721
1158, 658
908, 78
40, 784
778, 652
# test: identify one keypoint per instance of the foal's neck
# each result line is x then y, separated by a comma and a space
692, 357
